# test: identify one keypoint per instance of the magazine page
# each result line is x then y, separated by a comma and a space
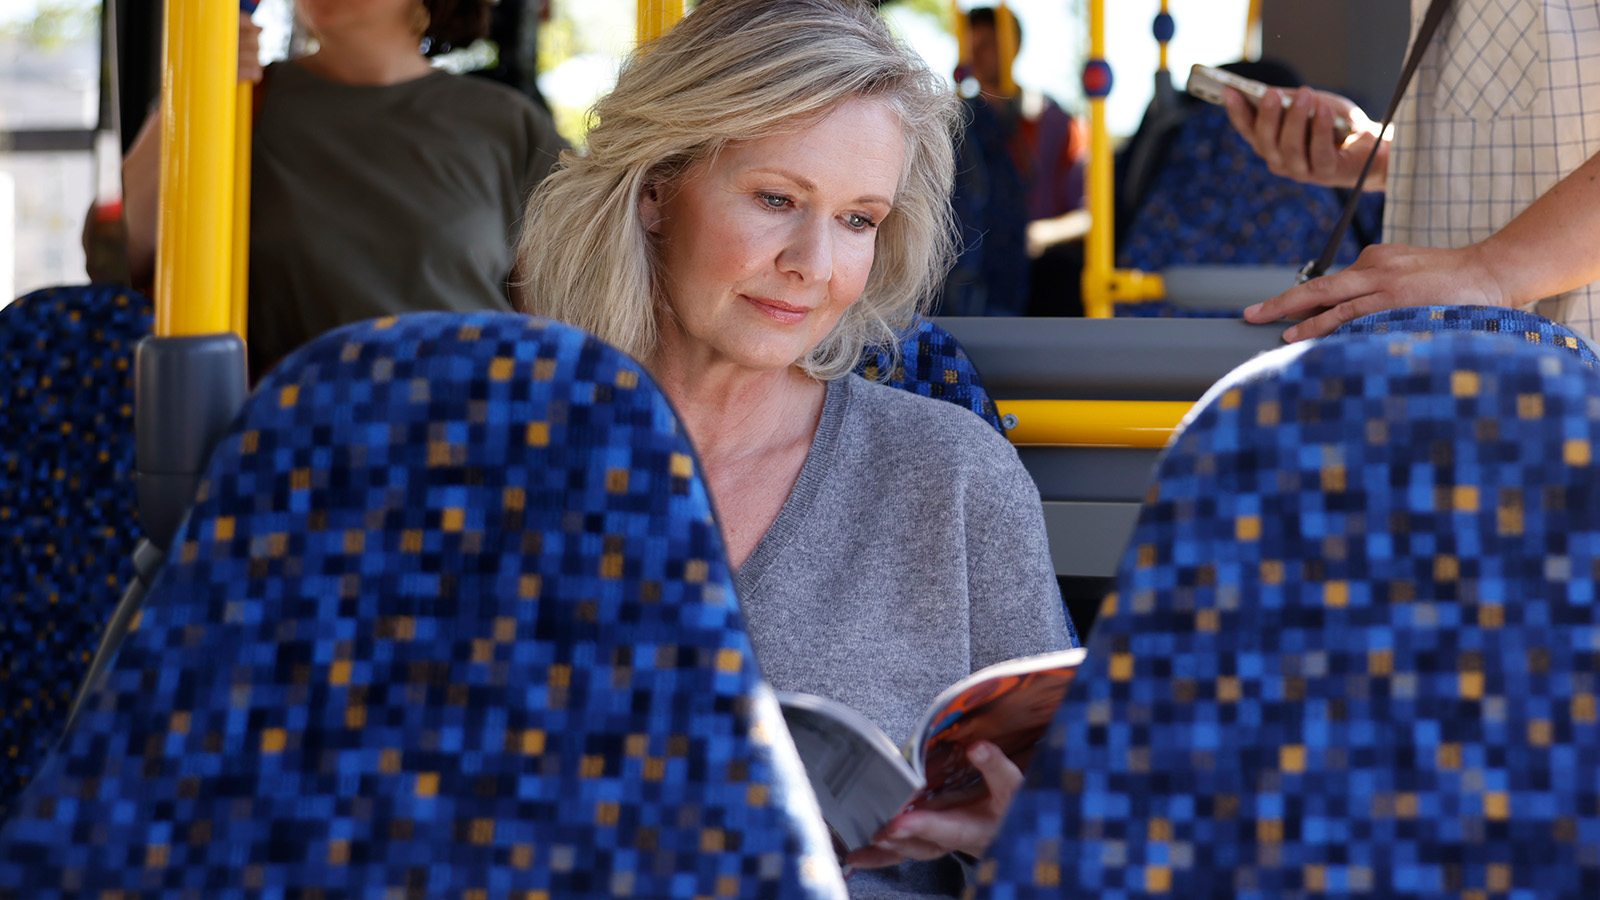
1009, 704
860, 779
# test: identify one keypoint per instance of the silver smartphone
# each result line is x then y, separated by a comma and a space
1209, 82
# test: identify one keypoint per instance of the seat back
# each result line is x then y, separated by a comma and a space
1352, 649
932, 363
1425, 320
450, 617
1211, 200
68, 518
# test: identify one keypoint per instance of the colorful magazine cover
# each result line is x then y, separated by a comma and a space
862, 781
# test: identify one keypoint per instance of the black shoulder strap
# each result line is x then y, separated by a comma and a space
1419, 46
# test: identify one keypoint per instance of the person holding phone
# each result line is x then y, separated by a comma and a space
1490, 167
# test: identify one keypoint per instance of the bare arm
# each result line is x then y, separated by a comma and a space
141, 168
1046, 233
1549, 248
1546, 250
141, 193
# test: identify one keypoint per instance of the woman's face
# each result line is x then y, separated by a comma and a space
765, 245
321, 16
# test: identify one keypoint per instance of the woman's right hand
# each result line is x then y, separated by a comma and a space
249, 49
969, 828
1298, 141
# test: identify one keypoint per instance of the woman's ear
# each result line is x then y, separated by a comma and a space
650, 208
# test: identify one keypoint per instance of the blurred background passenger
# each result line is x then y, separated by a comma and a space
1047, 145
766, 193
379, 184
1019, 187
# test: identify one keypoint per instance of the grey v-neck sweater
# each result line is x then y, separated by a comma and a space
910, 553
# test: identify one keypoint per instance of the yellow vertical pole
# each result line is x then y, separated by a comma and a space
244, 124
1103, 284
1162, 65
1005, 32
656, 16
1097, 251
958, 21
1252, 31
194, 246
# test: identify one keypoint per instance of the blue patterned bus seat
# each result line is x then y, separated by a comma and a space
68, 517
1354, 646
450, 618
933, 364
1421, 320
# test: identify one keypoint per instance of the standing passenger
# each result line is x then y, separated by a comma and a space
1493, 174
1047, 145
379, 184
765, 194
1019, 191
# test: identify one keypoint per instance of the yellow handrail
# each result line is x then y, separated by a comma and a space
1097, 258
958, 23
194, 245
1162, 65
1252, 31
656, 16
1103, 284
1097, 423
1005, 35
244, 126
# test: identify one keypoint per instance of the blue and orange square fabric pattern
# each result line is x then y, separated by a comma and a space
1353, 648
450, 618
932, 363
68, 520
1213, 201
1421, 321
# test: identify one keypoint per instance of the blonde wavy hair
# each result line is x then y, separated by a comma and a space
740, 70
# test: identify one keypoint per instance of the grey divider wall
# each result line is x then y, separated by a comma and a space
1092, 494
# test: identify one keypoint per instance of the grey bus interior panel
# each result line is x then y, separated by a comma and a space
1225, 287
1088, 539
1092, 494
1101, 474
1107, 359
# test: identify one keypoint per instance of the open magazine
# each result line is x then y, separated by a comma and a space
862, 780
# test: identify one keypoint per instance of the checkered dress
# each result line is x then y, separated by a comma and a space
1504, 105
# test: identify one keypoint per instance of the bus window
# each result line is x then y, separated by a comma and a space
580, 50
1055, 42
276, 18
49, 104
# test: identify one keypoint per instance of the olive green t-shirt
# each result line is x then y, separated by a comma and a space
370, 201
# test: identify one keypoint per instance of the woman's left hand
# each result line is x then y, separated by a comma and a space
925, 835
1384, 276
